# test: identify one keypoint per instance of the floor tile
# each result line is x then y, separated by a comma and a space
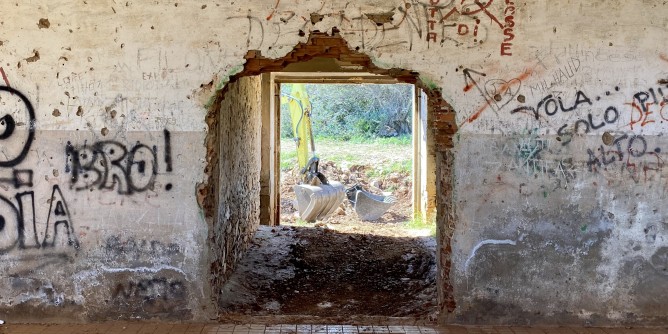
212, 328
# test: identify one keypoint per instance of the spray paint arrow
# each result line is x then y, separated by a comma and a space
470, 83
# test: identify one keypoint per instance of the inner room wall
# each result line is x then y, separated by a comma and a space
239, 123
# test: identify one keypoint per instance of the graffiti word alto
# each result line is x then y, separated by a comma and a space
632, 153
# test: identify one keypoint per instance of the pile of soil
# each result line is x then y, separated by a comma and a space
317, 271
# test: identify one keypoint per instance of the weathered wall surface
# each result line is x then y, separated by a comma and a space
239, 176
560, 175
100, 151
555, 200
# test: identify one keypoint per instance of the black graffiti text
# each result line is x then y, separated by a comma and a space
151, 289
585, 125
17, 111
20, 228
627, 150
113, 165
551, 105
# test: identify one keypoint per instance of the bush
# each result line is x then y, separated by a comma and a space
346, 111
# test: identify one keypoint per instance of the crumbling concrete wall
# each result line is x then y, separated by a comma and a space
239, 122
551, 193
101, 147
559, 172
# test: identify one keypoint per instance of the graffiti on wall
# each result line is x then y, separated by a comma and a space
14, 142
648, 106
113, 165
530, 154
135, 249
150, 289
551, 105
623, 152
435, 22
560, 74
20, 227
631, 153
496, 92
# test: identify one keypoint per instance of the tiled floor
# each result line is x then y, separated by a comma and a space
148, 328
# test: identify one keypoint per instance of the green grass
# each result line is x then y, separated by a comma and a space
371, 152
288, 160
401, 167
418, 223
338, 159
400, 140
301, 222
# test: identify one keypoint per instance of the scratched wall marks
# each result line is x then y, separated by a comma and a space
407, 24
126, 250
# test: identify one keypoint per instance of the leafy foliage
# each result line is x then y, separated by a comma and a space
356, 111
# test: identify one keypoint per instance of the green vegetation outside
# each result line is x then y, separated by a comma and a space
418, 223
355, 112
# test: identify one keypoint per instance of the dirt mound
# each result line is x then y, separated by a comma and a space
323, 272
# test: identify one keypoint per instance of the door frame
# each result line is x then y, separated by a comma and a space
424, 162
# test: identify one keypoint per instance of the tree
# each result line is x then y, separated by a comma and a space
346, 111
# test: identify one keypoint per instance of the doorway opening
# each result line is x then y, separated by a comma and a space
372, 123
362, 134
244, 138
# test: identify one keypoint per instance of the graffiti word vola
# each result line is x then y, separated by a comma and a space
551, 105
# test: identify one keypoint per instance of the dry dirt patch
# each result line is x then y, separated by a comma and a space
316, 271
